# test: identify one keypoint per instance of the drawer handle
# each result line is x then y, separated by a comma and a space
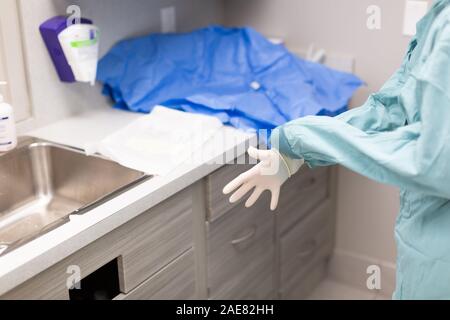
248, 236
308, 249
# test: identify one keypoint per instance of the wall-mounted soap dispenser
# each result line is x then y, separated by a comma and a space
73, 48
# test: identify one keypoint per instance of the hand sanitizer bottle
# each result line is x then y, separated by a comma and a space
8, 135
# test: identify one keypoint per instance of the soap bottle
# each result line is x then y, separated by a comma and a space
8, 135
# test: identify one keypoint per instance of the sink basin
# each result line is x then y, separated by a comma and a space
43, 183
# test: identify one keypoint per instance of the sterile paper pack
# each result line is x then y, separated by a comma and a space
157, 143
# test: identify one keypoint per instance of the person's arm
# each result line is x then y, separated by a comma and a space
414, 156
375, 140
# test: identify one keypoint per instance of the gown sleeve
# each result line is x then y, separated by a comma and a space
376, 142
382, 111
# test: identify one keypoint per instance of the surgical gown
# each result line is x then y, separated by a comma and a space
400, 136
235, 74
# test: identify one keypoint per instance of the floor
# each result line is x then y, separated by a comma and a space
333, 290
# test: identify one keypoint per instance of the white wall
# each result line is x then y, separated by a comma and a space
117, 19
366, 210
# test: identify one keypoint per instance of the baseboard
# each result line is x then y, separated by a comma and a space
351, 269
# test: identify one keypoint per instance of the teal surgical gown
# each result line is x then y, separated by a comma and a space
400, 136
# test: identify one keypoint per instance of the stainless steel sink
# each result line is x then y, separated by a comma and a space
43, 183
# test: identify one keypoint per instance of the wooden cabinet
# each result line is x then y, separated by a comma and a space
300, 195
240, 248
234, 252
174, 282
141, 247
281, 248
306, 245
216, 203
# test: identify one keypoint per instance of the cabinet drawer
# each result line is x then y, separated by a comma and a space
261, 287
142, 246
217, 203
240, 249
174, 282
300, 195
163, 234
310, 241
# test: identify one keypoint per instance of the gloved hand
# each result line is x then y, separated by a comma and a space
270, 173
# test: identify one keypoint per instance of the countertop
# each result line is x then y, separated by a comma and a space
34, 257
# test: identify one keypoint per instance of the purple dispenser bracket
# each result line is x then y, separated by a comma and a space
50, 30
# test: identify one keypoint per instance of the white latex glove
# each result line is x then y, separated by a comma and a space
270, 173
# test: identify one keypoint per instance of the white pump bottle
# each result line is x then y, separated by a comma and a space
8, 135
